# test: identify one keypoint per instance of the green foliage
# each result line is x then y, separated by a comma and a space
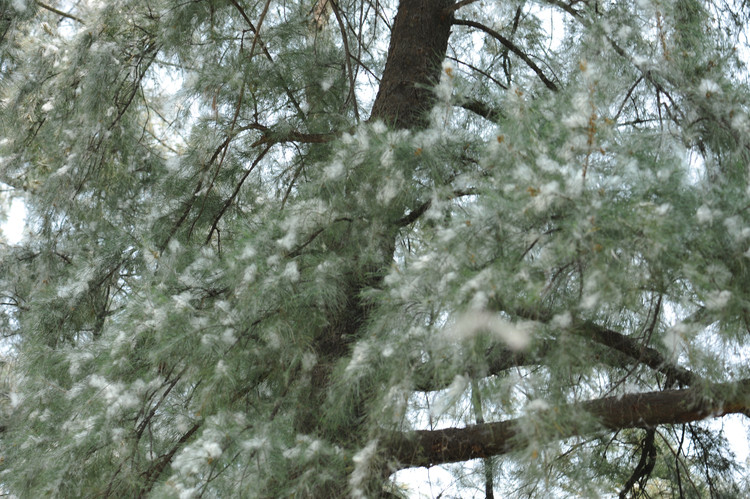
235, 284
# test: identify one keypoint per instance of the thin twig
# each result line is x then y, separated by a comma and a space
257, 32
228, 202
348, 56
296, 251
627, 96
288, 92
480, 71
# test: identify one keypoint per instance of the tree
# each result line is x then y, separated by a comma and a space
269, 257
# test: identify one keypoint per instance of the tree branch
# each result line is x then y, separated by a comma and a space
420, 210
458, 5
498, 359
151, 476
645, 355
295, 136
624, 344
59, 12
296, 251
481, 109
510, 46
352, 96
641, 410
263, 47
645, 464
236, 191
480, 71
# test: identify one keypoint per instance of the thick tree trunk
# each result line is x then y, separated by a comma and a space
419, 41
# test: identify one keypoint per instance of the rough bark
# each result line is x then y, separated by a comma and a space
419, 41
640, 410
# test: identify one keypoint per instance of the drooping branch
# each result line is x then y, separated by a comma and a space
642, 410
510, 46
645, 464
480, 71
151, 476
645, 355
622, 343
235, 192
499, 358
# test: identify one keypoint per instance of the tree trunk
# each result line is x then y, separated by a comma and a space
419, 41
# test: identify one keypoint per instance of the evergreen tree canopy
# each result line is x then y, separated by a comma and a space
287, 249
